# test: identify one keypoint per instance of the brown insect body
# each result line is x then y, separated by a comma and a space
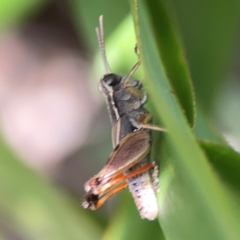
128, 164
125, 156
129, 111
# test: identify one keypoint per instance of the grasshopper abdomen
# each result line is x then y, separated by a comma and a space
143, 188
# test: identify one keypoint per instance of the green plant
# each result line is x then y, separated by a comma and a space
194, 201
199, 177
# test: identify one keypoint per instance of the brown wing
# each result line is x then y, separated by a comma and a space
132, 149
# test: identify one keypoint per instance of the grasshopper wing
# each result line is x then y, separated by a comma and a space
132, 149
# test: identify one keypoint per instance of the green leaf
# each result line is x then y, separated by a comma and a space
204, 128
226, 163
173, 59
210, 33
193, 202
37, 208
127, 224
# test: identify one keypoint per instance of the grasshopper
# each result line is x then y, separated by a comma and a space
128, 163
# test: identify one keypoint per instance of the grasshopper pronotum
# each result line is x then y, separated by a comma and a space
128, 164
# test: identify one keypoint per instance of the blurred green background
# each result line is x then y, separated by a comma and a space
54, 123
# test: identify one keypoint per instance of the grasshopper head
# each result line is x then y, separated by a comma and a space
109, 83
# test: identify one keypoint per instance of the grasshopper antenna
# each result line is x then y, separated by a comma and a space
101, 43
134, 69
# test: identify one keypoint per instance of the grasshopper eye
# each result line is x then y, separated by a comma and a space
112, 79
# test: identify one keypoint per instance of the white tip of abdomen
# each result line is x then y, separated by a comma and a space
144, 194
